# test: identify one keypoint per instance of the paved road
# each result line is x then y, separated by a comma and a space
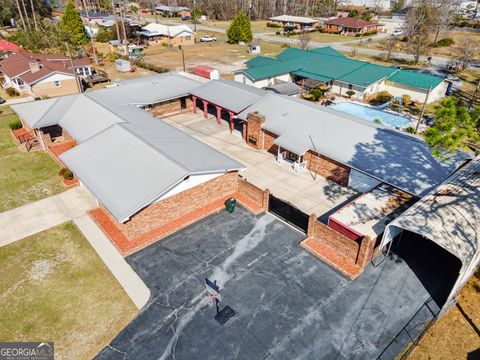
288, 303
41, 215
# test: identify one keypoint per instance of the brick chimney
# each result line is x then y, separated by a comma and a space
34, 66
253, 134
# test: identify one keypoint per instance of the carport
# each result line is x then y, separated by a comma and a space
229, 97
438, 237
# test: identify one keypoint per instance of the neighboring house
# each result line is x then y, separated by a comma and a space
175, 35
298, 22
326, 66
350, 26
95, 17
180, 11
344, 11
287, 88
8, 47
44, 75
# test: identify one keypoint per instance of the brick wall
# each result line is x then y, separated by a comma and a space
328, 168
344, 254
164, 211
172, 107
49, 89
268, 144
258, 196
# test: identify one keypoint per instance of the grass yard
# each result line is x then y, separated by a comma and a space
458, 37
220, 54
258, 26
55, 288
24, 177
457, 334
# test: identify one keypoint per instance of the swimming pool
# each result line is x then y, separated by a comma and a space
370, 114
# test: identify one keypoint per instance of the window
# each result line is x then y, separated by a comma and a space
188, 37
57, 83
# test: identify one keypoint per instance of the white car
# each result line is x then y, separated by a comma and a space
207, 38
397, 32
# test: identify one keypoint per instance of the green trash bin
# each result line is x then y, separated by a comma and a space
230, 205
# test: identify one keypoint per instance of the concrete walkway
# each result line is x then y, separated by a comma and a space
123, 272
41, 215
309, 192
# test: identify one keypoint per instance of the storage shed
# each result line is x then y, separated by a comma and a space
123, 65
207, 72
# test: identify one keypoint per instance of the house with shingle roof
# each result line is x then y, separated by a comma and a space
44, 75
351, 26
327, 66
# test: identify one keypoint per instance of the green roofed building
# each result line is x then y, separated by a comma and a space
312, 68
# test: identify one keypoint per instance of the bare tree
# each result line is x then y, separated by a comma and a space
418, 26
304, 39
390, 45
33, 15
464, 55
354, 50
20, 13
442, 15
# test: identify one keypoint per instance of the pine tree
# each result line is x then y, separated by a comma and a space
455, 128
73, 25
240, 29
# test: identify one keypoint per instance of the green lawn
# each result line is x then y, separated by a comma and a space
55, 288
324, 38
24, 177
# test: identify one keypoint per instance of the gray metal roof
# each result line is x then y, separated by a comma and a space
32, 112
126, 157
286, 88
124, 173
395, 158
449, 215
230, 95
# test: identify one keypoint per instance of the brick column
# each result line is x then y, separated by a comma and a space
311, 225
365, 252
266, 199
219, 114
254, 130
194, 104
205, 108
231, 120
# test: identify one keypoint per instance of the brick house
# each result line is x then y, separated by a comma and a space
350, 26
175, 35
342, 148
297, 22
44, 75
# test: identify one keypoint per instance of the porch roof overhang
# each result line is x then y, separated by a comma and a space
291, 145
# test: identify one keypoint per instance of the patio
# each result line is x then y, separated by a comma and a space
309, 192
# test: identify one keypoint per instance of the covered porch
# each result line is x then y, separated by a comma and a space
219, 110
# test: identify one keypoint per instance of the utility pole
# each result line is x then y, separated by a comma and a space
116, 19
21, 15
77, 80
183, 58
123, 23
194, 14
423, 109
91, 33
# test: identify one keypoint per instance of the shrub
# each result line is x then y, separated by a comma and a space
66, 174
12, 91
151, 67
105, 35
15, 124
316, 94
406, 100
350, 93
378, 121
382, 97
112, 57
273, 25
277, 33
410, 130
444, 42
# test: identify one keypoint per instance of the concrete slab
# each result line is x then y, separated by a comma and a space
41, 215
288, 304
309, 192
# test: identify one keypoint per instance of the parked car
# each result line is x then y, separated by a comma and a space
397, 32
186, 18
2, 100
208, 38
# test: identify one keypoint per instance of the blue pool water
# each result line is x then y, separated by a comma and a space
370, 114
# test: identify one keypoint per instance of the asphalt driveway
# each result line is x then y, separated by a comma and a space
288, 304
